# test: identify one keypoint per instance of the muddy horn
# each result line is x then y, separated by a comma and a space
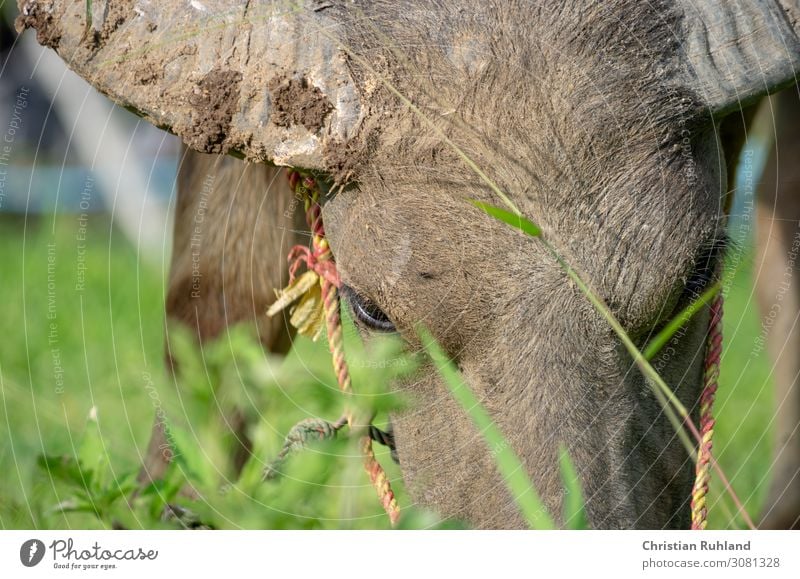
261, 78
739, 50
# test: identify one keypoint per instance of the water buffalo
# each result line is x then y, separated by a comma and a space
600, 120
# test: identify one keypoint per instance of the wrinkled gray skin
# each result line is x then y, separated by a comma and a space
584, 113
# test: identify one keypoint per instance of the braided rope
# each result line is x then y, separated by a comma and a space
320, 260
711, 378
333, 325
379, 480
299, 437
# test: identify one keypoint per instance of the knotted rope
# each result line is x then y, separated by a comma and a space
301, 434
318, 293
710, 380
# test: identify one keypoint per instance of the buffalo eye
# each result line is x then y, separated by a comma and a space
705, 267
366, 311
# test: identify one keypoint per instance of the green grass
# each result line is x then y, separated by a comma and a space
105, 336
110, 343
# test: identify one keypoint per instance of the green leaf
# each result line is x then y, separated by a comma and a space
162, 492
192, 458
512, 219
92, 455
508, 463
676, 323
63, 468
118, 489
75, 505
195, 375
574, 511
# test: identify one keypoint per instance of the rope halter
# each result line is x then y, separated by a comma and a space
315, 294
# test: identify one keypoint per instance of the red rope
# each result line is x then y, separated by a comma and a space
319, 259
710, 382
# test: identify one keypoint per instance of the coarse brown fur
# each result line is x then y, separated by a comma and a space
576, 125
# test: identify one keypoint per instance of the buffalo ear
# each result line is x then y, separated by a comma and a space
264, 79
736, 51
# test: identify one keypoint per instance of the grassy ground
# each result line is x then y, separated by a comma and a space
82, 338
69, 347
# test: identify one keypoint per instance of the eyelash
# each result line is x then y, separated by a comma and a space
705, 269
367, 312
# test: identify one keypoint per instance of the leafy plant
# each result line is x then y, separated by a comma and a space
325, 486
89, 475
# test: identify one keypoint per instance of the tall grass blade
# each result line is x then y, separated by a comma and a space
512, 219
676, 323
574, 511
